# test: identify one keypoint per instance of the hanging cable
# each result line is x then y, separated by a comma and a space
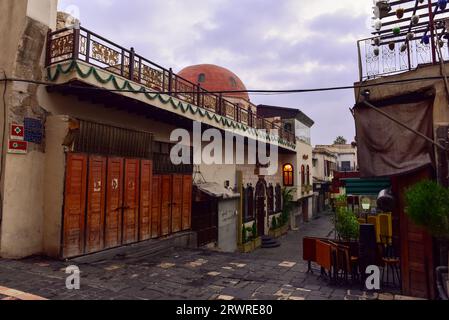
273, 92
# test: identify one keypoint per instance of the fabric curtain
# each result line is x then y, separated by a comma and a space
386, 148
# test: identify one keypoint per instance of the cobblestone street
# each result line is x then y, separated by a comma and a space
276, 274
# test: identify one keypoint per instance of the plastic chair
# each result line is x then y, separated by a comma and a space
386, 226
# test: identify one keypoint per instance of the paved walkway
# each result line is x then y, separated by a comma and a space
275, 274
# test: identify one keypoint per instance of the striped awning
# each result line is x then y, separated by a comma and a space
366, 187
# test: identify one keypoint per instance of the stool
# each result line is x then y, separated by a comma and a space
391, 265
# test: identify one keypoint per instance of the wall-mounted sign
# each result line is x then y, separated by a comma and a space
33, 130
17, 147
17, 132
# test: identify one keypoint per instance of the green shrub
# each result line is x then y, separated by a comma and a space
287, 200
274, 224
427, 205
244, 235
347, 225
254, 230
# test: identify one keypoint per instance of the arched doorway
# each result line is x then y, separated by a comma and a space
261, 192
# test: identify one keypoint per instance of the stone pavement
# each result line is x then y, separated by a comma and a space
267, 274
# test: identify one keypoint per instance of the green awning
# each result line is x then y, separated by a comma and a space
366, 187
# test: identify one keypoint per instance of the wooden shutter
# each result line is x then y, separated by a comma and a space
96, 204
156, 207
114, 203
176, 212
166, 198
146, 181
187, 202
74, 205
131, 201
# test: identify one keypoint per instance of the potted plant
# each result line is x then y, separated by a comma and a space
427, 205
347, 225
287, 200
257, 240
247, 244
274, 230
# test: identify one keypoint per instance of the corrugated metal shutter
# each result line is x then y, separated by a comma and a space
96, 138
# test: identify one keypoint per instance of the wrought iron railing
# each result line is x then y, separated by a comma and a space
392, 57
84, 45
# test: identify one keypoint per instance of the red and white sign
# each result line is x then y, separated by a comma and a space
17, 132
18, 147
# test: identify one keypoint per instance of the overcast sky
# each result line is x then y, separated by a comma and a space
269, 44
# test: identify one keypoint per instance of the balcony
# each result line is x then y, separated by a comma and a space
406, 35
392, 58
67, 45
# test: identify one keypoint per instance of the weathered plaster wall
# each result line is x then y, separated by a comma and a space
56, 128
12, 17
227, 225
441, 109
23, 194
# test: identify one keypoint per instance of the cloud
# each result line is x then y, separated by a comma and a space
270, 44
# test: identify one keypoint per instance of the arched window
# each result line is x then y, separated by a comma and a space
288, 175
201, 77
303, 175
308, 175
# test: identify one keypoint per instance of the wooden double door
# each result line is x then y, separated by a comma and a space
171, 205
109, 202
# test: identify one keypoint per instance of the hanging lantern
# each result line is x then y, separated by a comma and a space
442, 4
410, 36
415, 19
396, 31
376, 41
376, 51
391, 45
403, 47
382, 9
378, 25
400, 13
425, 39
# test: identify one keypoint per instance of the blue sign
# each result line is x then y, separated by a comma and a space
34, 130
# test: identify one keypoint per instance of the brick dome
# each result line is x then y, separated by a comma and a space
214, 78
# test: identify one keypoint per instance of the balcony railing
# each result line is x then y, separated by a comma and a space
395, 57
84, 45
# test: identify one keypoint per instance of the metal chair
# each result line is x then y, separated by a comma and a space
391, 263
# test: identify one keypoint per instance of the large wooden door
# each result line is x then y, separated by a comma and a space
131, 202
166, 204
146, 181
156, 207
74, 205
96, 204
415, 243
187, 202
114, 203
176, 209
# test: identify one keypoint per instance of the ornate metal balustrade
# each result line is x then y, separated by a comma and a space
84, 45
393, 57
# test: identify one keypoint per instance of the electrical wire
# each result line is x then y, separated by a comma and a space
362, 85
